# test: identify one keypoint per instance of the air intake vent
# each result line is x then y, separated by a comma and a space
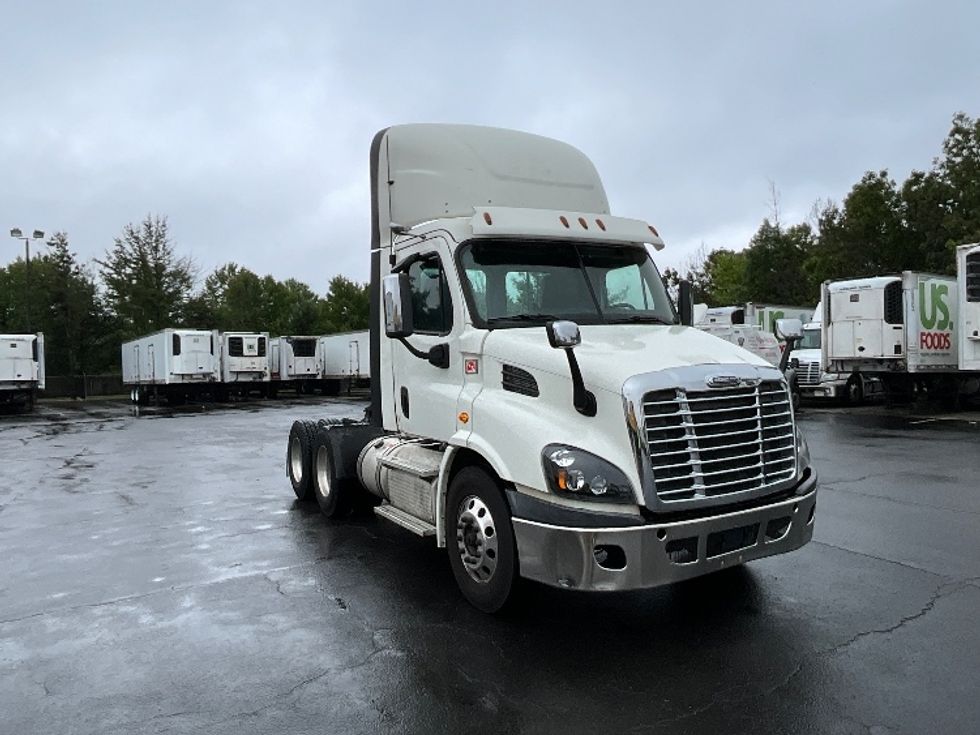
236, 346
520, 381
973, 277
894, 313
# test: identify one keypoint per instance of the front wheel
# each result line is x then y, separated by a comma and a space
482, 550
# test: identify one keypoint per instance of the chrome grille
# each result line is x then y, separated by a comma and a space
716, 442
808, 373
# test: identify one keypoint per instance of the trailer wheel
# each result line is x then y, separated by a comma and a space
299, 458
482, 550
855, 390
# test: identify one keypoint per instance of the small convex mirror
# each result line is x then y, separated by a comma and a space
398, 305
563, 334
788, 329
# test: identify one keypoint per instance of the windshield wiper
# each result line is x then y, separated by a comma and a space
522, 318
638, 319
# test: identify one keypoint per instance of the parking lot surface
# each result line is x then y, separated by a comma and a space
158, 576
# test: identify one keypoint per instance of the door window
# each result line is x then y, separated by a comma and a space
432, 308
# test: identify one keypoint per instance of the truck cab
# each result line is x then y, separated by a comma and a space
536, 405
815, 382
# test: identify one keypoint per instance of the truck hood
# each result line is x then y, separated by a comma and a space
612, 353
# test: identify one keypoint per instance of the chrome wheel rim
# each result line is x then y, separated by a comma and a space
476, 539
296, 460
323, 472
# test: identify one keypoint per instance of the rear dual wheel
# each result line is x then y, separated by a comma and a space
299, 458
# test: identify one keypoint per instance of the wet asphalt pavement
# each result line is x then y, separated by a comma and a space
158, 576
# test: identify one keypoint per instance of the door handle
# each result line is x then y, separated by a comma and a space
404, 397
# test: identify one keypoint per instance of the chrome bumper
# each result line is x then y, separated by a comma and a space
657, 554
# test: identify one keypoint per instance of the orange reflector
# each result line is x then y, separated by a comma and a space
654, 231
563, 220
464, 418
486, 218
581, 221
602, 225
563, 479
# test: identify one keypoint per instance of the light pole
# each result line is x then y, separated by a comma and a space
18, 235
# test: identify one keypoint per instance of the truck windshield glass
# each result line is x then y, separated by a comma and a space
810, 340
520, 283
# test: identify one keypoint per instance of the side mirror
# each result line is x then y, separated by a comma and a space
563, 334
685, 303
787, 329
398, 305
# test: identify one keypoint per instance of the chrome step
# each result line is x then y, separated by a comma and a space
403, 519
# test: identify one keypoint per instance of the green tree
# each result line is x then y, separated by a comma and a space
345, 307
147, 284
773, 265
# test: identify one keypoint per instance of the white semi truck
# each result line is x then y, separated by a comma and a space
729, 323
814, 382
902, 329
345, 360
21, 368
537, 406
175, 364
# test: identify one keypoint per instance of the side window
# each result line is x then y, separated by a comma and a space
432, 308
625, 288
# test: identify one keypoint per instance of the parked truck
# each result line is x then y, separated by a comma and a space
294, 362
813, 381
173, 364
244, 363
345, 360
537, 406
729, 323
900, 328
21, 369
764, 316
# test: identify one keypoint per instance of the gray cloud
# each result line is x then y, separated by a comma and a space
249, 126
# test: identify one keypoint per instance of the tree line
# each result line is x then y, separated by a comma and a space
142, 285
880, 227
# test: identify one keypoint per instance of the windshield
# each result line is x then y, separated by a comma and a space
516, 283
810, 340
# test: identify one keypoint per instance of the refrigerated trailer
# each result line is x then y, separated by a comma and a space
901, 328
538, 407
729, 323
175, 364
244, 362
345, 360
294, 362
968, 278
21, 368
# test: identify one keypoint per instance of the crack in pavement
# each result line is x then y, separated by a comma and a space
904, 565
897, 501
163, 591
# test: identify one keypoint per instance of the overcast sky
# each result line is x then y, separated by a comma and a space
248, 124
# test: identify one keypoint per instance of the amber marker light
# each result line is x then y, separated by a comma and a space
464, 418
487, 218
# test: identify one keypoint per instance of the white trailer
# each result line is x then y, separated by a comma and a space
901, 328
729, 323
345, 360
173, 363
21, 368
294, 362
244, 362
538, 406
968, 278
764, 316
814, 382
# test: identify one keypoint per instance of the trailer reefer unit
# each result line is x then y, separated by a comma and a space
968, 277
728, 323
244, 360
536, 407
21, 368
345, 359
173, 363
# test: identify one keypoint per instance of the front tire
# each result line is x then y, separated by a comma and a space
482, 550
299, 458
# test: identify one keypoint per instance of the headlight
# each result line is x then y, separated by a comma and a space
802, 452
575, 473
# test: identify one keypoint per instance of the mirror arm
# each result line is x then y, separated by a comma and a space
583, 400
437, 355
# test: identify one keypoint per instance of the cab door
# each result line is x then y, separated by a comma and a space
425, 395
